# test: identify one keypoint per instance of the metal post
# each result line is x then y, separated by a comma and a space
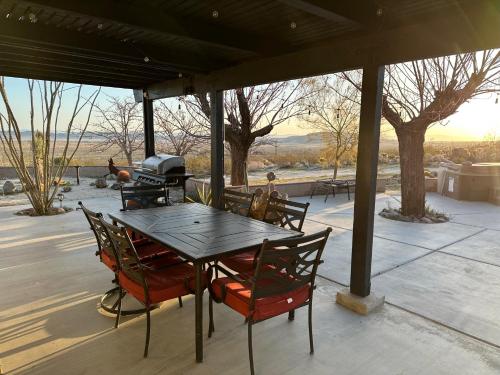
149, 132
366, 179
217, 146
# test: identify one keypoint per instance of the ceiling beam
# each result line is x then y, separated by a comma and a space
44, 76
361, 12
153, 19
72, 66
72, 43
470, 29
16, 53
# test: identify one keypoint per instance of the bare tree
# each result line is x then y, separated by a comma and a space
119, 124
250, 114
46, 99
421, 93
177, 129
334, 110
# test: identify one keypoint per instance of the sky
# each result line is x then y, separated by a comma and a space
473, 122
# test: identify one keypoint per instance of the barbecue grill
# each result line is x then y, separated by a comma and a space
163, 169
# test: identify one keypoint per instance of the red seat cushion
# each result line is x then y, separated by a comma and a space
146, 250
238, 298
163, 284
241, 263
108, 260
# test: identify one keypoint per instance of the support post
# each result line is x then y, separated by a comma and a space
366, 179
358, 298
217, 148
149, 132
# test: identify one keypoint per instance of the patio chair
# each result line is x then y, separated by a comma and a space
135, 197
238, 202
286, 214
331, 184
148, 283
148, 252
283, 281
143, 196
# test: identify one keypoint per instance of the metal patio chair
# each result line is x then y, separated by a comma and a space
285, 213
284, 280
331, 184
135, 197
148, 252
238, 202
149, 283
144, 196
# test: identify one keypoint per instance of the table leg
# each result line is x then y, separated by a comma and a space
199, 311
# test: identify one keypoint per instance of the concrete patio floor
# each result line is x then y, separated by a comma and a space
442, 311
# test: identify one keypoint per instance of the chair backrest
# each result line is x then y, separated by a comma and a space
128, 259
287, 265
143, 196
238, 202
102, 239
285, 213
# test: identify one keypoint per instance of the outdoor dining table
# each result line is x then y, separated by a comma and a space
200, 234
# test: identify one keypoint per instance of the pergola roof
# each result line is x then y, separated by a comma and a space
173, 47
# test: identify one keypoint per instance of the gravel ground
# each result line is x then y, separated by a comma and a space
78, 192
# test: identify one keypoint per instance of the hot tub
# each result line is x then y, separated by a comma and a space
469, 182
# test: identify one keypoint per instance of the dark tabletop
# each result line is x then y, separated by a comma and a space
199, 232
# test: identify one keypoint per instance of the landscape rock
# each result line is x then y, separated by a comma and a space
9, 187
101, 183
66, 189
432, 217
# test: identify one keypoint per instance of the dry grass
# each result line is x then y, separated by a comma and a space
291, 157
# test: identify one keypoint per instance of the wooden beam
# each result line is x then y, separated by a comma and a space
360, 12
154, 19
366, 178
47, 39
149, 131
465, 31
44, 76
217, 148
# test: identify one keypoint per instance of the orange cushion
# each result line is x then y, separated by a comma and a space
108, 260
146, 250
241, 263
238, 298
163, 284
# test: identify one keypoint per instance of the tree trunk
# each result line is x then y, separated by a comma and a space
239, 155
335, 168
411, 155
128, 155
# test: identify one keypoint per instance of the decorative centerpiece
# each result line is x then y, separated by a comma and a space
262, 196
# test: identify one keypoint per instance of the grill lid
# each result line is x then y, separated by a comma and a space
162, 163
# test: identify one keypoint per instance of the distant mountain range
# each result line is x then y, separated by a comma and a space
312, 139
26, 135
